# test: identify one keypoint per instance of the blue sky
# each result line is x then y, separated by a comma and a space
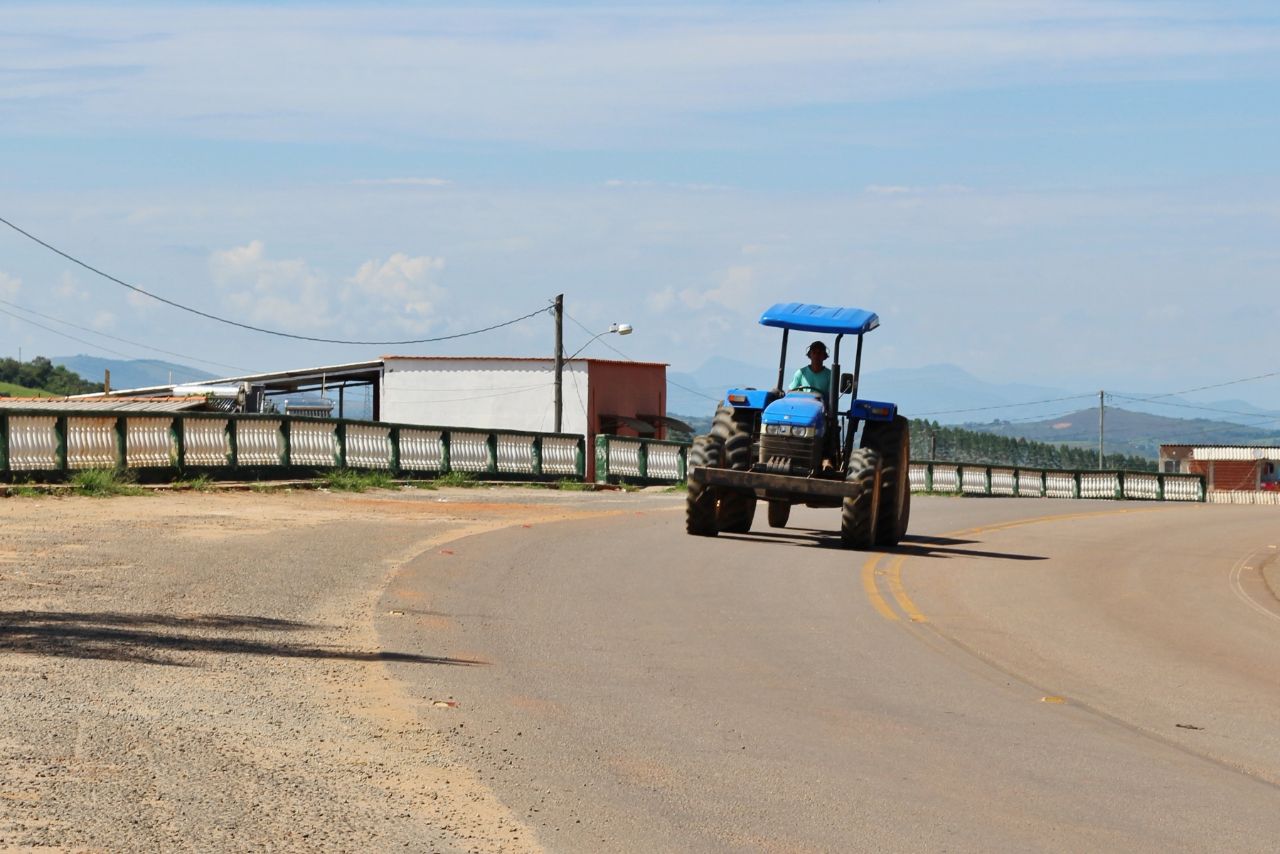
1083, 195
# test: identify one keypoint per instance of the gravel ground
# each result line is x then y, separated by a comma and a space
202, 672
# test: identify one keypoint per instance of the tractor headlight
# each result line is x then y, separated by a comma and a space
777, 429
802, 432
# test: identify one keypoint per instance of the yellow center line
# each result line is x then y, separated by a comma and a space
894, 576
893, 572
873, 593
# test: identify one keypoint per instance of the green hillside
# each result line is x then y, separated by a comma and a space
930, 440
40, 373
14, 390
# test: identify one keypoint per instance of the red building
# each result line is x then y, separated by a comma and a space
1225, 468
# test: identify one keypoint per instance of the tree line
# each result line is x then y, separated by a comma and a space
41, 374
932, 441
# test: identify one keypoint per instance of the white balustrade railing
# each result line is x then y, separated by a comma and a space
368, 446
35, 442
259, 443
974, 479
149, 442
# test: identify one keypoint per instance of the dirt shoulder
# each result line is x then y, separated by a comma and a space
202, 671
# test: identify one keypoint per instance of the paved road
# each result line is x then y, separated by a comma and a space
1020, 675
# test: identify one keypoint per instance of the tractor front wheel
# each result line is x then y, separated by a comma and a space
779, 513
737, 509
858, 513
700, 502
892, 440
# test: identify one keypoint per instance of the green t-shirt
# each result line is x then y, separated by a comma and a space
806, 376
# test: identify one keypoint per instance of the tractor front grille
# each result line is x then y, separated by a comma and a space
798, 450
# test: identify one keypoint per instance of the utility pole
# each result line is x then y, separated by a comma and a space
559, 312
1102, 412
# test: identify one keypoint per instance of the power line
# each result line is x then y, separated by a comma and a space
65, 335
115, 338
629, 359
1004, 406
251, 328
1263, 415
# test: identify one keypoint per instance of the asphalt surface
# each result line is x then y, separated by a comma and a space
524, 670
1019, 675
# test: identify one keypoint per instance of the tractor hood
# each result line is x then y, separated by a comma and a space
799, 409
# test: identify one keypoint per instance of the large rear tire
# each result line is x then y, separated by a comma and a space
737, 509
858, 512
892, 440
779, 513
700, 502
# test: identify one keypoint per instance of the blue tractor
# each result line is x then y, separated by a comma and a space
797, 447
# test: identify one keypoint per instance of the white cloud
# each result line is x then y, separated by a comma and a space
902, 190
9, 285
403, 182
400, 290
68, 289
735, 291
287, 293
551, 74
103, 320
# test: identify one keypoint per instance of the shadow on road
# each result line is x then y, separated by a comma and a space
935, 547
143, 638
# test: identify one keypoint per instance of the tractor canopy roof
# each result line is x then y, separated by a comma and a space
819, 318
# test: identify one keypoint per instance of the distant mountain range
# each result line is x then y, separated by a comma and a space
1126, 432
138, 373
951, 395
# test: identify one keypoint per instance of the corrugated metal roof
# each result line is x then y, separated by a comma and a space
524, 359
1234, 453
104, 404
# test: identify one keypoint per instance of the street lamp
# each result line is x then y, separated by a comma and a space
618, 328
614, 329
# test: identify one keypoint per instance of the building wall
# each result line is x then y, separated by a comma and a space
627, 389
512, 394
1226, 474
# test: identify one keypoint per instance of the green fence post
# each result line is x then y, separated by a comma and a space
1159, 487
536, 452
682, 463
60, 436
959, 480
394, 437
580, 458
1075, 484
234, 441
1119, 486
602, 459
1044, 484
286, 437
4, 442
1204, 491
178, 432
491, 441
445, 438
122, 442
928, 476
642, 460
986, 480
340, 433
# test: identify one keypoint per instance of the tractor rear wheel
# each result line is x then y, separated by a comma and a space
892, 440
737, 509
700, 502
779, 513
858, 513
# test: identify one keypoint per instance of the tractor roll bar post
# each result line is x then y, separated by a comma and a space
782, 361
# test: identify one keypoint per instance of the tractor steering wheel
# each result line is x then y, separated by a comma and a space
807, 388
